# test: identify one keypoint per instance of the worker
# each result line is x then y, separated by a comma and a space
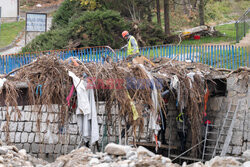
132, 46
182, 129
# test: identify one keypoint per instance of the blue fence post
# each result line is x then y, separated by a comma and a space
239, 56
178, 53
149, 53
88, 55
242, 51
247, 55
228, 56
232, 57
184, 52
190, 52
1, 64
212, 54
205, 54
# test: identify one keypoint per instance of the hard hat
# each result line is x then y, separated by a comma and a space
125, 33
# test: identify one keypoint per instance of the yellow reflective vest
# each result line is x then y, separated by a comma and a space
130, 47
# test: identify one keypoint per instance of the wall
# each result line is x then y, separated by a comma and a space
9, 10
238, 88
50, 143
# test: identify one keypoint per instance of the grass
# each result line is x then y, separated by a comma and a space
228, 36
216, 12
9, 32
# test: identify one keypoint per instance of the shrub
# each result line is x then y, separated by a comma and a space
92, 28
68, 9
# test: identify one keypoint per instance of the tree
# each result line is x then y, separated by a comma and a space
201, 12
135, 9
88, 4
166, 17
158, 11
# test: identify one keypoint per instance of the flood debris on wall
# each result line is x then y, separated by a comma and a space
135, 90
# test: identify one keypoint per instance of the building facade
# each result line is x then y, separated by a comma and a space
9, 10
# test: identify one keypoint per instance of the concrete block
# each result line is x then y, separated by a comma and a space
78, 139
72, 139
19, 146
31, 137
33, 116
64, 139
237, 138
18, 137
41, 148
3, 134
51, 117
42, 156
43, 127
2, 115
55, 128
20, 126
34, 127
26, 146
44, 117
73, 129
57, 149
74, 119
12, 137
230, 83
28, 126
28, 108
34, 148
248, 145
216, 103
70, 148
236, 150
49, 148
2, 127
25, 116
64, 149
99, 119
231, 93
24, 137
55, 138
13, 116
39, 137
50, 138
44, 109
239, 124
13, 126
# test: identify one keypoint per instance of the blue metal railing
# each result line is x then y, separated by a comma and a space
219, 56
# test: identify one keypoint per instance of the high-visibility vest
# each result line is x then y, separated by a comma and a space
130, 48
179, 118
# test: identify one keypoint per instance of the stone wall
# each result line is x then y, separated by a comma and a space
53, 141
238, 88
48, 143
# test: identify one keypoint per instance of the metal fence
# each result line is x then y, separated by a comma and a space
242, 25
219, 56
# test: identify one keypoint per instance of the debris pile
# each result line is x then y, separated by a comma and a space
133, 88
11, 156
114, 155
118, 155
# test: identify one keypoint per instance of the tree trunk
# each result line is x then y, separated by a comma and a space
158, 10
166, 17
201, 12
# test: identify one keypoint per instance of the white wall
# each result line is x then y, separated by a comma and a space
9, 8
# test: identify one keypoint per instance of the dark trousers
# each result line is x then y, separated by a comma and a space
183, 139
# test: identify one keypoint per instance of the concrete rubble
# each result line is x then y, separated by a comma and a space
114, 155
